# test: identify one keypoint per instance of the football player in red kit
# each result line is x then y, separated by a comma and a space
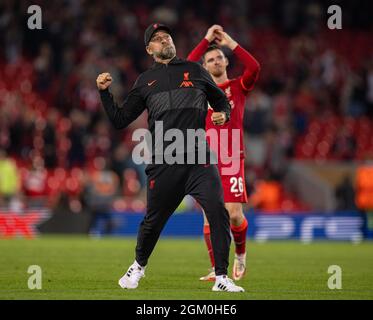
236, 90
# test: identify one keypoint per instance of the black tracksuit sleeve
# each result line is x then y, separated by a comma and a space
215, 95
121, 116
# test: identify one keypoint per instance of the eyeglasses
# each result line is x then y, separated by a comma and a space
160, 38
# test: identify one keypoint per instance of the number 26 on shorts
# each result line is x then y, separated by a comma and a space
236, 184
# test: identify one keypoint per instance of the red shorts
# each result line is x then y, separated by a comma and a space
234, 186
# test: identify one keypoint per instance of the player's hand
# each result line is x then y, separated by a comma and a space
212, 32
223, 39
218, 118
104, 80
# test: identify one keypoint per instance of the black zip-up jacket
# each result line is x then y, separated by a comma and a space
176, 93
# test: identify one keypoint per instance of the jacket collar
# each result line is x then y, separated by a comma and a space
174, 60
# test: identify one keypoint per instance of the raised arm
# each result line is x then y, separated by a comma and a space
120, 116
252, 66
201, 48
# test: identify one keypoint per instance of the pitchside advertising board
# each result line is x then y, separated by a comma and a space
22, 224
345, 226
306, 227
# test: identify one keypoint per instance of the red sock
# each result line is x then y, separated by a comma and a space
239, 235
206, 235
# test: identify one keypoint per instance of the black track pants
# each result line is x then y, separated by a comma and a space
167, 186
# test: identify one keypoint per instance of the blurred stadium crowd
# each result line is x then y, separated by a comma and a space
314, 98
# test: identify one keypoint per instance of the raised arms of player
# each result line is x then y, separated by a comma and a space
201, 48
252, 66
120, 116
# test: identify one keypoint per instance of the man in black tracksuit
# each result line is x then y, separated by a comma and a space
175, 92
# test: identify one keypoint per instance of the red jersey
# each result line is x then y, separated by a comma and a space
236, 91
236, 96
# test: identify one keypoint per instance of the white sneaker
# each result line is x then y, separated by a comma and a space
132, 277
239, 266
210, 277
223, 283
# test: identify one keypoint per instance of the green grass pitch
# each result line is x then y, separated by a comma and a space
85, 268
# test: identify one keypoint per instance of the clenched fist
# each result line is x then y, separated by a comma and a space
218, 118
104, 80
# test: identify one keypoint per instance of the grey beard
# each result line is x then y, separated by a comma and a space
166, 53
